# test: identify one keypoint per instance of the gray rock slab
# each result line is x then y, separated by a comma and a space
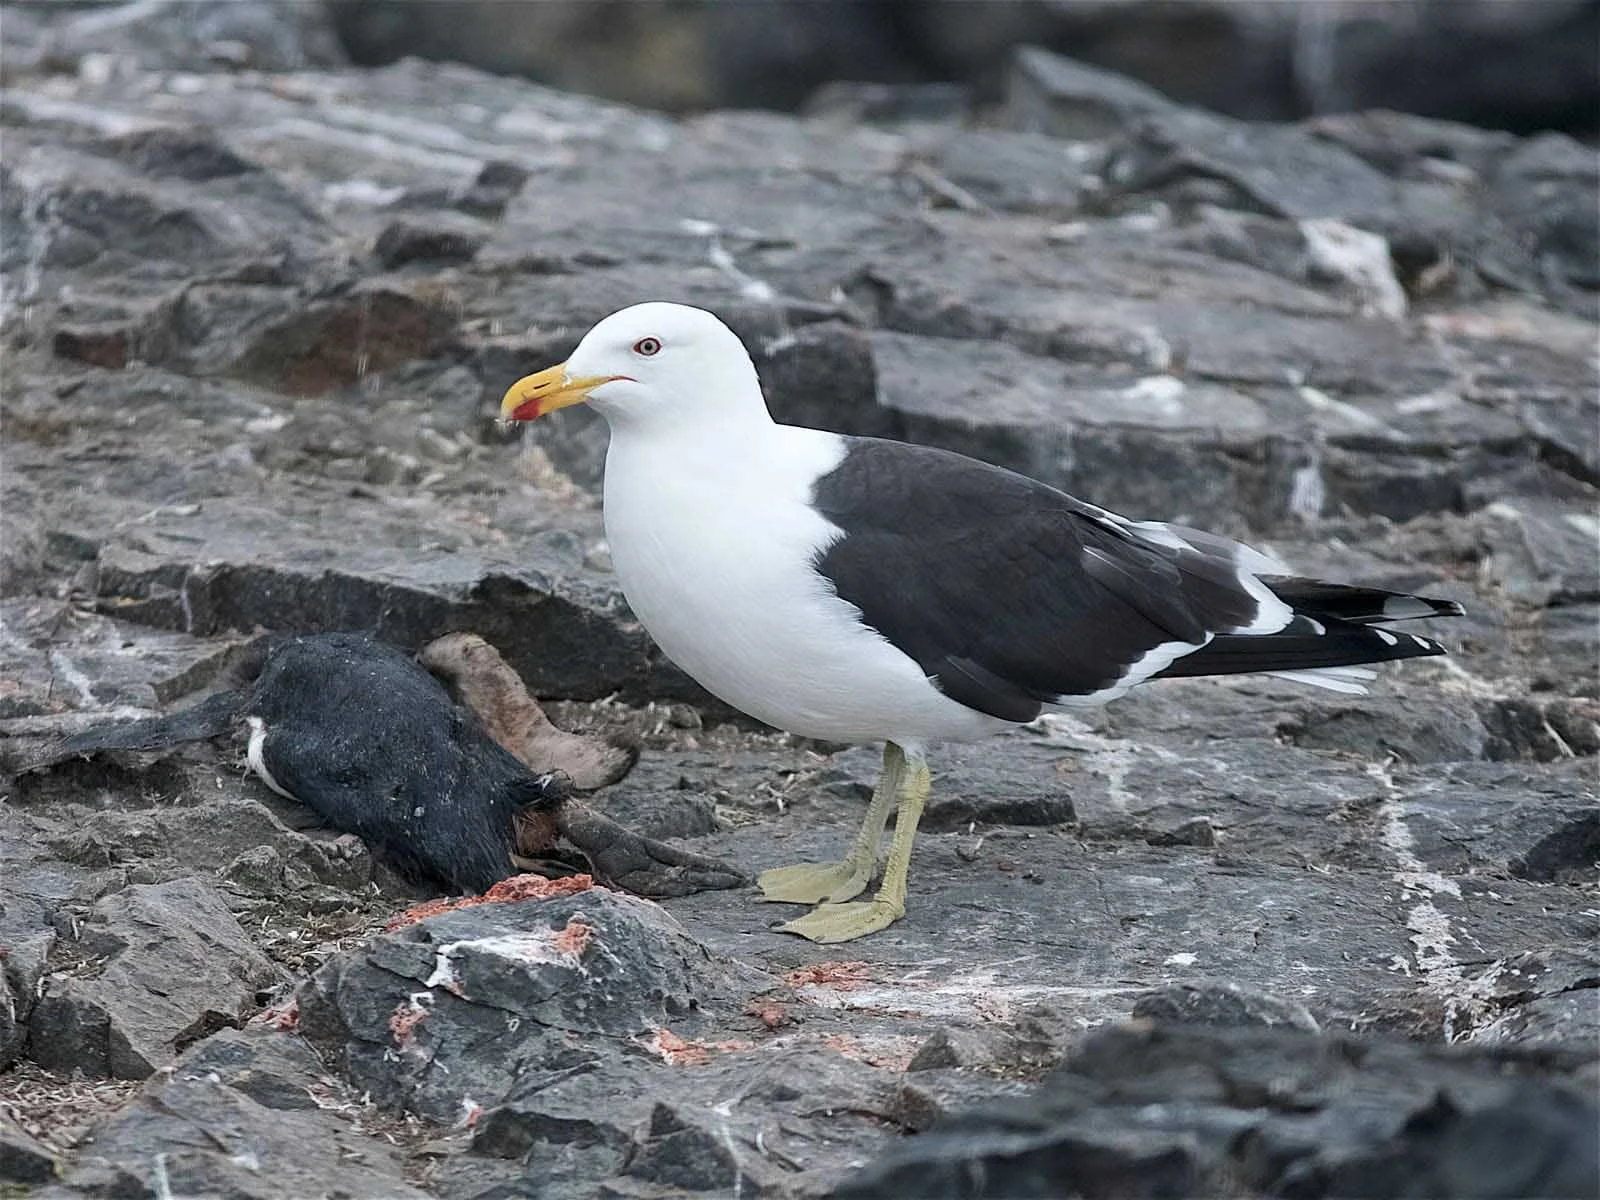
529, 608
1016, 172
24, 1159
133, 208
616, 1054
17, 994
1169, 816
1017, 936
1480, 220
1281, 171
59, 658
1045, 920
443, 238
161, 966
211, 1128
1543, 551
1152, 1111
1262, 403
1048, 93
409, 566
722, 248
1078, 374
1565, 1010
731, 1123
36, 887
207, 569
1221, 1004
28, 936
250, 372
160, 815
198, 35
551, 984
275, 1068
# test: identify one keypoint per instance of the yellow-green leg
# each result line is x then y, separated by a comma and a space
810, 883
834, 922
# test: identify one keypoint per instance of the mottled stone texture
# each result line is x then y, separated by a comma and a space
255, 327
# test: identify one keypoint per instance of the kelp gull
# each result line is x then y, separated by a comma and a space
864, 590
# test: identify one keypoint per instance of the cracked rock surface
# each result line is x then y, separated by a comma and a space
255, 326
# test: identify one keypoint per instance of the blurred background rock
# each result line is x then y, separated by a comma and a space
1522, 65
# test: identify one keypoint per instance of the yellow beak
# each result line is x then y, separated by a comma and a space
545, 391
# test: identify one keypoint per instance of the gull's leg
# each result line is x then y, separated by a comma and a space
845, 922
808, 883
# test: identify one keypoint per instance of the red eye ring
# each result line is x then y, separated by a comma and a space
646, 346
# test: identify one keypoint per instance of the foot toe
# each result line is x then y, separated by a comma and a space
813, 883
844, 922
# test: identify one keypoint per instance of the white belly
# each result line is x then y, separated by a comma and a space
715, 559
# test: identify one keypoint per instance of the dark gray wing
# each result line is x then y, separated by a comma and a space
1011, 594
1008, 593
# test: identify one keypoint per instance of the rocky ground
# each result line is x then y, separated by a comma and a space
255, 326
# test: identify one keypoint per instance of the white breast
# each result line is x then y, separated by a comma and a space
714, 543
254, 755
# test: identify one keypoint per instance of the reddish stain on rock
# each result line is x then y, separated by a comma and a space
681, 1052
841, 976
770, 1013
574, 939
518, 887
403, 1022
284, 1020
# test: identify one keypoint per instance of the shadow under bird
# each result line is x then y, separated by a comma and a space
866, 590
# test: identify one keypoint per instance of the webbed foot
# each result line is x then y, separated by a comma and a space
845, 922
812, 883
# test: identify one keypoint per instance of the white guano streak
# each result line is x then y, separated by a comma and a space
1440, 972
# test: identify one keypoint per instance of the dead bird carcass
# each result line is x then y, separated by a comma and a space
375, 745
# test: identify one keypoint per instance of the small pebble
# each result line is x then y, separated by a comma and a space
684, 716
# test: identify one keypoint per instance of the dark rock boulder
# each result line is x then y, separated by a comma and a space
1221, 1004
27, 938
454, 1010
248, 1114
1524, 67
156, 967
24, 1159
1156, 1111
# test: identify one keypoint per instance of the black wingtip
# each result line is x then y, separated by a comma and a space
1415, 608
1359, 605
1305, 644
1421, 647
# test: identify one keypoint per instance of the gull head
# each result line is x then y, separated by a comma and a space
653, 363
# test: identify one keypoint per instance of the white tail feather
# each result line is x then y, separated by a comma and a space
1349, 680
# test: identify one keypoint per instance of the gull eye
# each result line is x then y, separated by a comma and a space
646, 346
